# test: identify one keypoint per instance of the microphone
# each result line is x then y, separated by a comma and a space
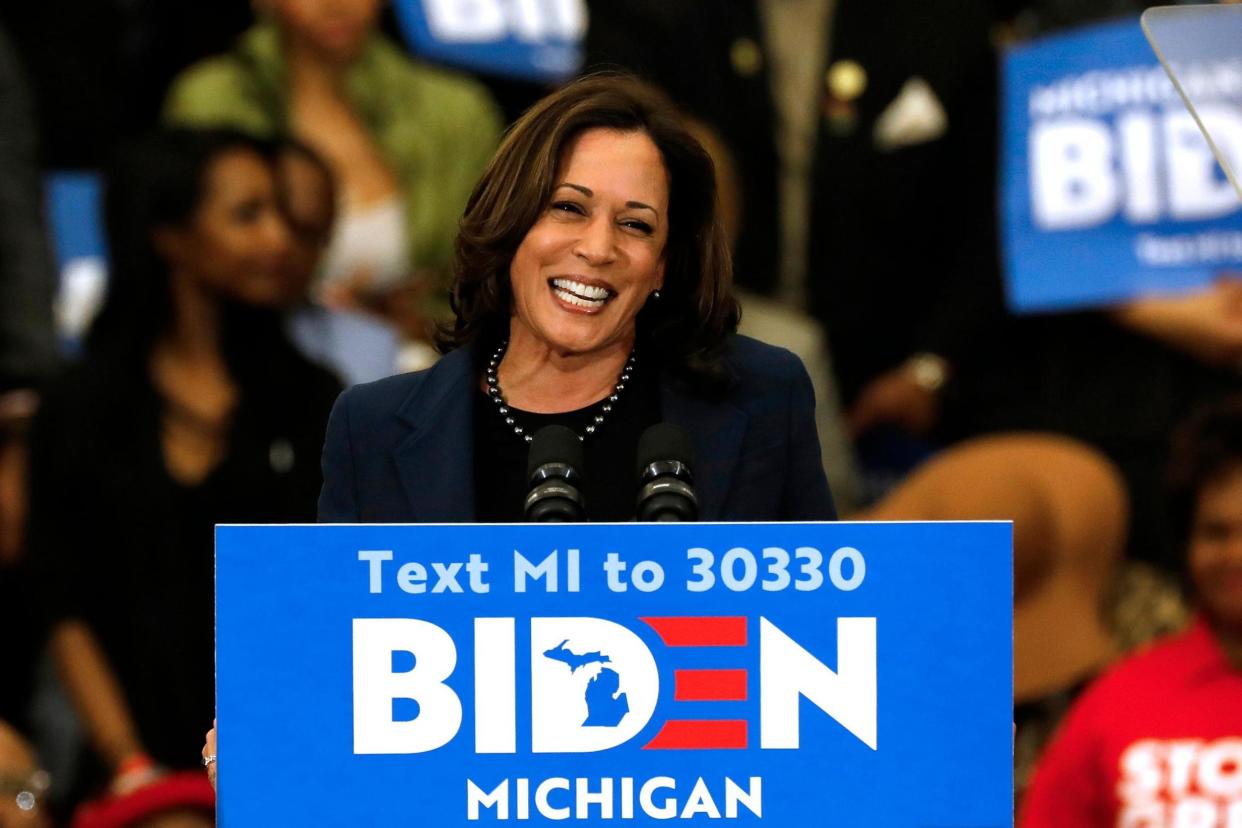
553, 474
666, 483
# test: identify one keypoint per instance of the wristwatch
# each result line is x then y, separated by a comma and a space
929, 371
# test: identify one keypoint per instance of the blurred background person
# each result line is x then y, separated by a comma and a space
1155, 741
355, 346
189, 407
1078, 604
405, 141
28, 355
862, 138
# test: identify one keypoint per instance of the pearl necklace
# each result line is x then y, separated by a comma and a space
502, 407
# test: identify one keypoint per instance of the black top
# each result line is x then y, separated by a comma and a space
21, 647
609, 485
403, 449
122, 546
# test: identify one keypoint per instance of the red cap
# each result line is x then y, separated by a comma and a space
185, 790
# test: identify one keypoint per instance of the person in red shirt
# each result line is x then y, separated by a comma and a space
1157, 741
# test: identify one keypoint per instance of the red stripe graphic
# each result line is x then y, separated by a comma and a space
708, 631
709, 685
689, 735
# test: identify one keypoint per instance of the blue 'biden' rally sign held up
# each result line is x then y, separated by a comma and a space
1110, 190
854, 675
536, 40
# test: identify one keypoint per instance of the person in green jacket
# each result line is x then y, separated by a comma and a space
406, 141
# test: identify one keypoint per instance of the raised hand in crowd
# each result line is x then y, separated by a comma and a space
907, 396
403, 304
1207, 324
96, 693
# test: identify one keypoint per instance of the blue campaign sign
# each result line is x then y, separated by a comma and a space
75, 220
1109, 189
858, 675
536, 40
75, 215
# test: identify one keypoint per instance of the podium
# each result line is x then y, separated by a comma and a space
764, 673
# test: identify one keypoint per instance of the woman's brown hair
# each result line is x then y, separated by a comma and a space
691, 321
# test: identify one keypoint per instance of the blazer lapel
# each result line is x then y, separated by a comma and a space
716, 430
436, 460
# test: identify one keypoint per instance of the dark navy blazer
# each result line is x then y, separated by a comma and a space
401, 450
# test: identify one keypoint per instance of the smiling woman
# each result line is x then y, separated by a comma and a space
588, 265
592, 290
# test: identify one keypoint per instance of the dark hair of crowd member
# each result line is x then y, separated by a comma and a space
689, 324
1206, 448
159, 181
296, 146
289, 146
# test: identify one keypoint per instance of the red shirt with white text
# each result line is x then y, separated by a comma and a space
1155, 743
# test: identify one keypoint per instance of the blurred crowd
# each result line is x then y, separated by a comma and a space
283, 182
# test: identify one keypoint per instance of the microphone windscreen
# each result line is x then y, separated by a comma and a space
554, 444
664, 442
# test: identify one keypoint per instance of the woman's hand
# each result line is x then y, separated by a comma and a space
894, 398
907, 396
1206, 324
402, 304
209, 754
101, 705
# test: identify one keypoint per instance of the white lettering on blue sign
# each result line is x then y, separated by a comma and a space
1111, 191
1146, 166
739, 569
788, 672
491, 21
548, 569
411, 577
608, 798
606, 698
378, 684
1105, 91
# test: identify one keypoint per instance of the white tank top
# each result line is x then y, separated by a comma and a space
372, 241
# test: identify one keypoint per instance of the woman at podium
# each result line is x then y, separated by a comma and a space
593, 290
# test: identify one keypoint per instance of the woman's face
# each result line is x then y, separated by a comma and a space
335, 29
1216, 549
309, 210
236, 242
595, 255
